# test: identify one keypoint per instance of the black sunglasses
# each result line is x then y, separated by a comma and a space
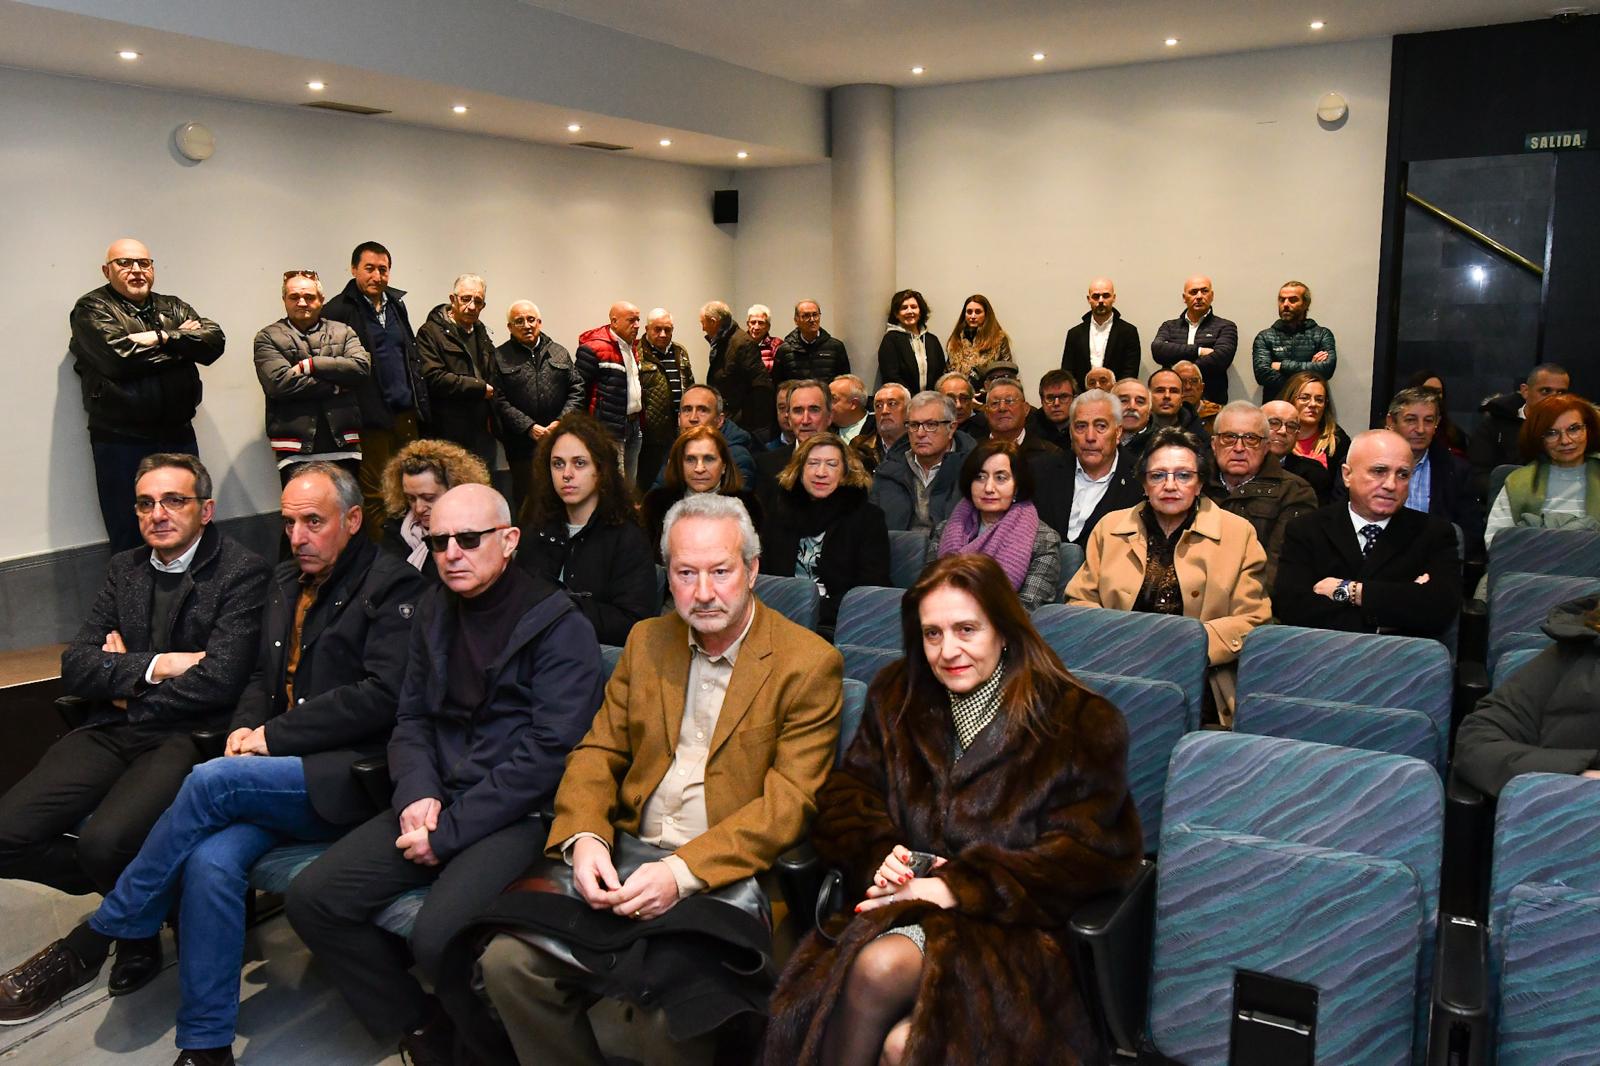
467, 538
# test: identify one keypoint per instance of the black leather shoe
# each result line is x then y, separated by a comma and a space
41, 983
220, 1056
135, 965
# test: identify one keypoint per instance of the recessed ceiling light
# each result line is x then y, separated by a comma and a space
665, 142
573, 127
315, 86
743, 155
1317, 25
1172, 42
1038, 57
917, 70
460, 109
127, 53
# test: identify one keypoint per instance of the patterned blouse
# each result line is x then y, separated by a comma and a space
1161, 593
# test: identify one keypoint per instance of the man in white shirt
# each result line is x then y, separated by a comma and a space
610, 372
1103, 338
849, 396
1102, 479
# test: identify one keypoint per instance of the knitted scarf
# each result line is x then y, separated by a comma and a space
1008, 542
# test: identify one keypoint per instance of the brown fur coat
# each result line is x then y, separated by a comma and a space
1032, 827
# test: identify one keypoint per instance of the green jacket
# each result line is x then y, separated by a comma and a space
1292, 350
1526, 487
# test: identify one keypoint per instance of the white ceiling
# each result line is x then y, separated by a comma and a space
842, 42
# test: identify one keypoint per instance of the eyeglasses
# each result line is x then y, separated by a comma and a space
170, 502
1576, 431
1230, 440
312, 274
468, 539
1284, 423
1055, 398
927, 427
1003, 401
1161, 477
124, 263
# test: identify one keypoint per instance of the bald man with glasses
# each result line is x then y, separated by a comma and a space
137, 352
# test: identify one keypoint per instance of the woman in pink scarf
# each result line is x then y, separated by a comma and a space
996, 517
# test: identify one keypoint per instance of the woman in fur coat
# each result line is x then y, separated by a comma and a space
981, 752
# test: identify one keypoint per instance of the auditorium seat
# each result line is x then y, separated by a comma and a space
1157, 715
1519, 604
863, 663
1522, 991
1512, 661
869, 616
1533, 550
795, 598
1294, 905
1157, 647
610, 655
1071, 560
907, 550
1361, 690
1497, 480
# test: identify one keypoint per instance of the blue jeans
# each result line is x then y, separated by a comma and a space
229, 813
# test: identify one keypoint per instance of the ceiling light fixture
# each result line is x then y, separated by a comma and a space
315, 86
1171, 42
573, 127
128, 54
917, 70
1318, 24
665, 142
460, 109
1038, 57
743, 155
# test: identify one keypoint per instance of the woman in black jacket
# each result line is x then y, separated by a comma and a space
579, 529
1545, 718
700, 461
909, 355
823, 527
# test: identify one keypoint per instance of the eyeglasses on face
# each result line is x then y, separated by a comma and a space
1284, 423
1249, 440
1576, 431
468, 539
927, 427
1056, 398
312, 274
126, 263
170, 503
1161, 477
1003, 401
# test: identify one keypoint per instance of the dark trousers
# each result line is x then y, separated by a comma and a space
126, 780
332, 904
115, 463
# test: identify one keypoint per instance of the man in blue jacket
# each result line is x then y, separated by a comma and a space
502, 679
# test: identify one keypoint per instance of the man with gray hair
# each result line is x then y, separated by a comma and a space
457, 359
682, 814
539, 383
758, 323
1251, 483
310, 369
322, 697
1103, 479
501, 678
809, 351
736, 370
848, 394
918, 489
887, 437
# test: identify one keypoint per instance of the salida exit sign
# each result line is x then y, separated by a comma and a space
1544, 142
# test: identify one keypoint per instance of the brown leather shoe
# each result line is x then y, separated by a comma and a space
42, 983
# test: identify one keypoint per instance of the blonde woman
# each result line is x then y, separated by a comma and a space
418, 475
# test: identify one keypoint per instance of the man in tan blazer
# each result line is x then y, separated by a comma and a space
719, 725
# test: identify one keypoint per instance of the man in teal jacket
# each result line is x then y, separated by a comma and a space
1292, 344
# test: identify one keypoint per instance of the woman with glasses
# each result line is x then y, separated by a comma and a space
580, 530
1560, 485
1179, 553
413, 480
976, 339
821, 525
996, 517
1321, 441
700, 461
982, 801
909, 355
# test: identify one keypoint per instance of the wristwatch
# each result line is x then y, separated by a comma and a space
1341, 593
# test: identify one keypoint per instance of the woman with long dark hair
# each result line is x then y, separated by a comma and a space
700, 461
996, 517
909, 353
983, 799
976, 339
580, 530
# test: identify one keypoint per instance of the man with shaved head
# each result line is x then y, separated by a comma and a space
136, 351
1283, 429
1371, 564
458, 366
1200, 336
538, 383
502, 679
1103, 338
613, 392
737, 372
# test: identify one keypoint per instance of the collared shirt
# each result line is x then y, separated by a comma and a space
1357, 523
676, 812
850, 433
1087, 492
1098, 336
919, 348
382, 309
1193, 325
1421, 490
178, 566
630, 363
923, 485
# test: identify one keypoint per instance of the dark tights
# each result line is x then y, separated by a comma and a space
880, 991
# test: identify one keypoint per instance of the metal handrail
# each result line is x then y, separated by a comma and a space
1478, 235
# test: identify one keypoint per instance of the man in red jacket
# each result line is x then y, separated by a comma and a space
610, 372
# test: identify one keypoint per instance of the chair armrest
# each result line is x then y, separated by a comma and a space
1468, 839
373, 777
74, 710
1110, 941
800, 874
1459, 1035
1472, 684
210, 741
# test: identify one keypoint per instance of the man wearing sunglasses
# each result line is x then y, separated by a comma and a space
1250, 483
502, 679
136, 352
167, 648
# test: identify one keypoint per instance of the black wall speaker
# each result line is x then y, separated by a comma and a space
725, 207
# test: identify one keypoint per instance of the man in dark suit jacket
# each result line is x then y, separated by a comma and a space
322, 696
736, 370
166, 649
1441, 483
1372, 565
1102, 332
1100, 478
1201, 336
